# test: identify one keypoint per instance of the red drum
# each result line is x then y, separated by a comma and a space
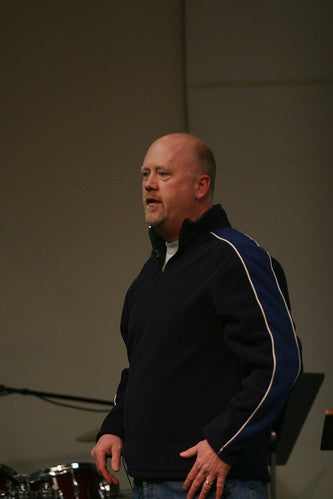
7, 480
71, 481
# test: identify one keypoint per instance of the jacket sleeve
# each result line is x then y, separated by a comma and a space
258, 330
113, 423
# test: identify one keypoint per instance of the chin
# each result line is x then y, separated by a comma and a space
153, 221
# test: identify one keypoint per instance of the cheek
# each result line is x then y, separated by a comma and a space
184, 196
176, 196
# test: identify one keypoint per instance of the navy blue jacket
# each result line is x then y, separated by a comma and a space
212, 354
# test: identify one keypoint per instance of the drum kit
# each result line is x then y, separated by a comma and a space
64, 481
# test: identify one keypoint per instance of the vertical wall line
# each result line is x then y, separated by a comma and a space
184, 63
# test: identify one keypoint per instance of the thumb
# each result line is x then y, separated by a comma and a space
192, 451
115, 461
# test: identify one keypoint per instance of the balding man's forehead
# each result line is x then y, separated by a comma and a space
178, 139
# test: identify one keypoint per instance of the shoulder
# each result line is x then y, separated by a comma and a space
244, 246
246, 253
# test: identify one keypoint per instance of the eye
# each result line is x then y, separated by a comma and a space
145, 174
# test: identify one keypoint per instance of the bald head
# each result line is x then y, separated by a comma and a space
178, 175
199, 156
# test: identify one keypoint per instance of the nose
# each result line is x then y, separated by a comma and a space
149, 183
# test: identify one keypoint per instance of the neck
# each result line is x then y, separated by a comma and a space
171, 236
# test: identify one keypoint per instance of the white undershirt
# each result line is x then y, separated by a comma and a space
171, 249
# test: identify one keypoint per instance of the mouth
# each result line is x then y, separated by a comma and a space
151, 202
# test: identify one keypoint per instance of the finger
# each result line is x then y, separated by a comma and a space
206, 487
100, 461
109, 477
115, 460
219, 488
191, 476
190, 452
188, 481
198, 483
102, 469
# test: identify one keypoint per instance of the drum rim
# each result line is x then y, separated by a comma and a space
61, 469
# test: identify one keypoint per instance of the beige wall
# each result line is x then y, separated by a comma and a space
260, 92
85, 87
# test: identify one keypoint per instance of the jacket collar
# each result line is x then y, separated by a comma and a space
211, 219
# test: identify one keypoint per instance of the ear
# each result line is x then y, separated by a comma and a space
202, 185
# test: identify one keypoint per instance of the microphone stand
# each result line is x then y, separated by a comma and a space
5, 390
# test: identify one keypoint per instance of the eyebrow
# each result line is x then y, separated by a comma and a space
155, 167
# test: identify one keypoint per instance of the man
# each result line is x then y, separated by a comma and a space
211, 345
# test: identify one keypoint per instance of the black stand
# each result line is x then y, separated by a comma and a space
327, 436
287, 427
5, 390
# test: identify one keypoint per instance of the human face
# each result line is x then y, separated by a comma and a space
169, 186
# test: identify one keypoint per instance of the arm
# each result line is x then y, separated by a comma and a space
110, 437
258, 330
113, 423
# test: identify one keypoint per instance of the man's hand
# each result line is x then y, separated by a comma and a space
207, 469
108, 446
